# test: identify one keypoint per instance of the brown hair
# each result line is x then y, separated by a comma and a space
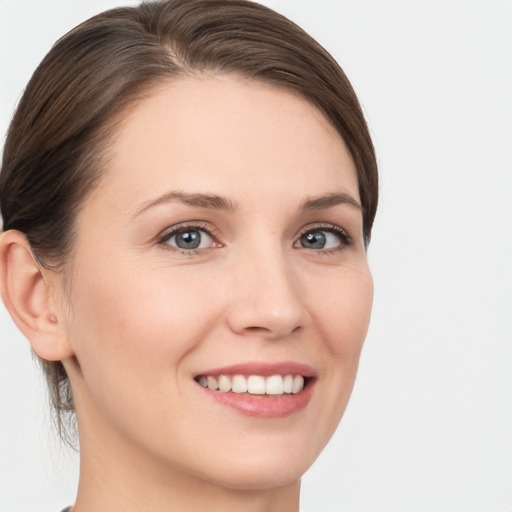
53, 152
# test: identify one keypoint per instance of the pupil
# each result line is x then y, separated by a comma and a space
314, 240
188, 239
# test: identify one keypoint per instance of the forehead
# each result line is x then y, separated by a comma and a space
226, 135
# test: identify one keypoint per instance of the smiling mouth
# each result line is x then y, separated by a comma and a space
254, 385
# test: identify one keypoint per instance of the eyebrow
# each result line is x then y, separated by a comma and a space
327, 201
209, 201
216, 202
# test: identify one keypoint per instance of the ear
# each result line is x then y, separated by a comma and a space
28, 292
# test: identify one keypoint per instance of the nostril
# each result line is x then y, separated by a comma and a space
257, 330
265, 331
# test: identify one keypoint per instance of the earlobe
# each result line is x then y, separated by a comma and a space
27, 293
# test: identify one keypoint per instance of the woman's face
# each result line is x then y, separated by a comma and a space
224, 239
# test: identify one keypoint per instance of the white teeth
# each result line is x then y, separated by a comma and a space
212, 382
254, 384
224, 384
298, 383
239, 384
274, 385
288, 384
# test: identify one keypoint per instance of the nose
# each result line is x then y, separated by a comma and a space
267, 300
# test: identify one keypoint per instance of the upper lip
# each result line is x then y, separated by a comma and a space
264, 369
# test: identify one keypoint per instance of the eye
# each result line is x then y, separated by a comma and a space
324, 238
189, 238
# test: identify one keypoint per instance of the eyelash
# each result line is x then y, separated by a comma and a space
345, 239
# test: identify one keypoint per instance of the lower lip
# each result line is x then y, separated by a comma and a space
264, 406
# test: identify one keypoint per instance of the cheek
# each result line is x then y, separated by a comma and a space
343, 315
128, 325
343, 308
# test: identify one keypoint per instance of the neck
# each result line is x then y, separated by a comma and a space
116, 474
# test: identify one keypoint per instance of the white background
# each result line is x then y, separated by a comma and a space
429, 427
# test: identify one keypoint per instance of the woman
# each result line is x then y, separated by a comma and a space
188, 189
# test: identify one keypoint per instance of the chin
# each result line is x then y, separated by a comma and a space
258, 476
256, 466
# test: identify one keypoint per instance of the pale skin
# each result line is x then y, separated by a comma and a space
141, 317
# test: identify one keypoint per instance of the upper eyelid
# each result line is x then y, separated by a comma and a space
183, 226
326, 226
